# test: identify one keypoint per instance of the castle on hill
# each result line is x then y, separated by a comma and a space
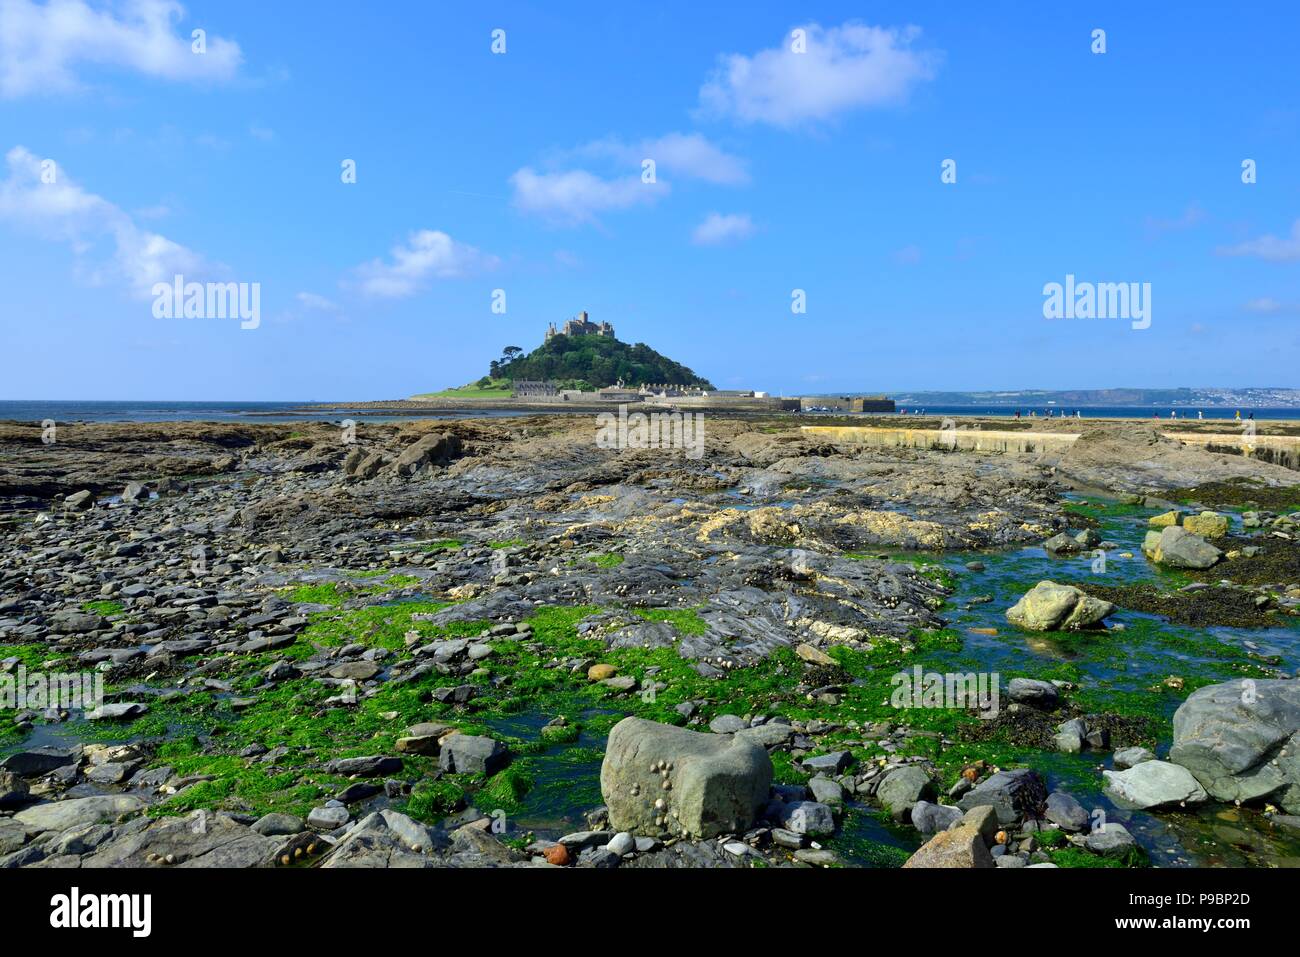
581, 326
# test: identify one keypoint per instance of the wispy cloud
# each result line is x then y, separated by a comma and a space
574, 197
1270, 248
854, 66
427, 255
1267, 306
719, 228
685, 155
1191, 217
45, 201
42, 46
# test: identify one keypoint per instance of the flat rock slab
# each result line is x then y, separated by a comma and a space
61, 815
1153, 784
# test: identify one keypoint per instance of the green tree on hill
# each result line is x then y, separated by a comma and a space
595, 362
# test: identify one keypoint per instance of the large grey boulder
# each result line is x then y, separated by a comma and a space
1110, 840
1153, 784
1176, 547
1052, 607
472, 754
901, 788
659, 780
1009, 793
1241, 740
435, 448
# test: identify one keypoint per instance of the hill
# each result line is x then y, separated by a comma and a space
593, 362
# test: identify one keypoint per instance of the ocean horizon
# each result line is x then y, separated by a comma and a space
160, 410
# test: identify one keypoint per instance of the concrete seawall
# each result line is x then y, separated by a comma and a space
1281, 450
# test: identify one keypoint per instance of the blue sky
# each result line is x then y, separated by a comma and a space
522, 171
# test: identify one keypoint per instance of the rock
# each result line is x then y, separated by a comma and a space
622, 844
221, 842
1052, 607
1061, 544
1088, 538
1207, 524
727, 724
826, 791
932, 818
1009, 793
271, 825
110, 712
1065, 812
366, 767
1153, 784
709, 784
135, 491
1178, 548
80, 501
74, 812
962, 847
984, 819
808, 817
1111, 840
37, 761
558, 855
13, 789
327, 818
1241, 740
814, 656
768, 735
1068, 742
601, 672
355, 671
426, 744
832, 763
1165, 520
1033, 692
788, 839
472, 754
1131, 757
434, 449
902, 788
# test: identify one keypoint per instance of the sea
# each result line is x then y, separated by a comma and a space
65, 411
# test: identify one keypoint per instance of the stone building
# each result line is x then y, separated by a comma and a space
580, 326
530, 389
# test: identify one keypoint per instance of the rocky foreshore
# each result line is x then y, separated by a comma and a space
495, 643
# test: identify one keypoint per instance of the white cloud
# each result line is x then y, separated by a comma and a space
718, 228
311, 300
842, 68
1192, 216
577, 196
1270, 247
42, 45
1268, 306
688, 155
65, 212
428, 254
